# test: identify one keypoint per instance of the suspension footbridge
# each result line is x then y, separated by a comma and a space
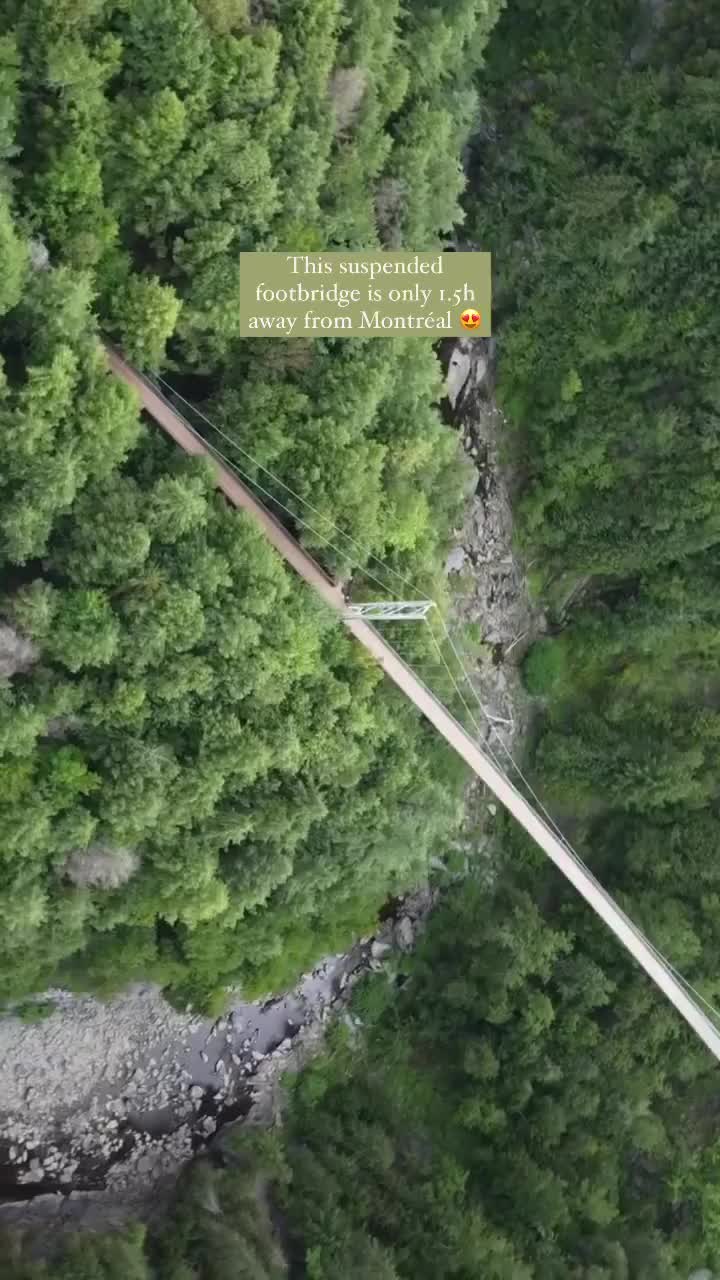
481, 763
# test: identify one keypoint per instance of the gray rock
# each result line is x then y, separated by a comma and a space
404, 933
378, 950
457, 374
480, 368
455, 560
39, 254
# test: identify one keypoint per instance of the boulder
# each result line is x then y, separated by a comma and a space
39, 254
455, 560
457, 374
480, 368
404, 933
17, 652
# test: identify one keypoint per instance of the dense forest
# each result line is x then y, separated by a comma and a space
520, 1108
516, 1102
609, 297
219, 795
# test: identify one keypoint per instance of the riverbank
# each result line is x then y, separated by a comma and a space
101, 1104
488, 579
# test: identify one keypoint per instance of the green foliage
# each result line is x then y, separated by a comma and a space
544, 668
190, 707
13, 260
599, 221
31, 1011
468, 1128
61, 417
117, 1256
143, 317
201, 782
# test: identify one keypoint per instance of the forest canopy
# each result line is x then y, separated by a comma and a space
202, 782
220, 789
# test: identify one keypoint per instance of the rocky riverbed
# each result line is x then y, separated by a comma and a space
102, 1103
488, 579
